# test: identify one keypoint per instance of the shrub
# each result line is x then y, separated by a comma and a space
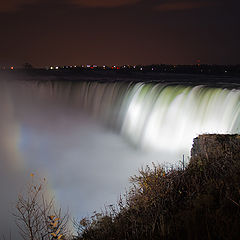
200, 201
36, 215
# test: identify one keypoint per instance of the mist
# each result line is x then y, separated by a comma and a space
88, 138
86, 163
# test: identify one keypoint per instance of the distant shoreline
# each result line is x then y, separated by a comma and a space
229, 79
154, 68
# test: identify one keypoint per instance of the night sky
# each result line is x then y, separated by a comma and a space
117, 32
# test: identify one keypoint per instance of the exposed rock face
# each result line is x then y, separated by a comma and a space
215, 146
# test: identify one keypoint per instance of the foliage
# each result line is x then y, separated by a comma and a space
36, 215
200, 201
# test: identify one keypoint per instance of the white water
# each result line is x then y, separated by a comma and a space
157, 117
87, 138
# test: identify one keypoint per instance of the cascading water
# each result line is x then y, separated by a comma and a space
153, 116
44, 127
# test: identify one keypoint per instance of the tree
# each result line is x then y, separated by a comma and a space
36, 216
27, 66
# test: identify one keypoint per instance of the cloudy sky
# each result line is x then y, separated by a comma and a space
71, 32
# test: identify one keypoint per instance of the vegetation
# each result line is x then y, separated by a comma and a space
36, 215
200, 201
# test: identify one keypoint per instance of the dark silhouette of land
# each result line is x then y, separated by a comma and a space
226, 76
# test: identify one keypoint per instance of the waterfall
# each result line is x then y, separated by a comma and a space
154, 116
75, 132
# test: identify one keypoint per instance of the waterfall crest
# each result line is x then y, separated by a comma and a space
155, 116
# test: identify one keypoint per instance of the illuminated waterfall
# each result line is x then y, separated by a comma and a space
153, 116
44, 127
